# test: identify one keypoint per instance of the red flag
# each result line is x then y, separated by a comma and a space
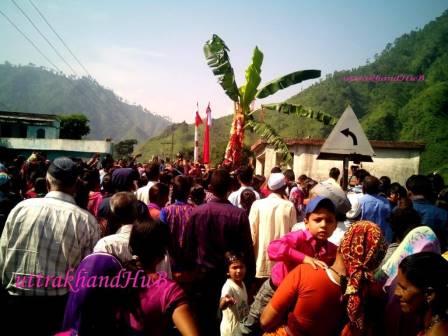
206, 154
197, 119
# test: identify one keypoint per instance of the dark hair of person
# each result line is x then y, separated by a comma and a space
258, 181
153, 171
437, 185
403, 220
309, 184
220, 183
397, 188
231, 257
159, 194
107, 162
234, 184
428, 272
419, 185
302, 178
92, 177
181, 188
166, 177
197, 194
123, 208
148, 244
437, 182
276, 170
340, 217
40, 186
361, 174
334, 173
82, 194
206, 179
289, 174
107, 187
384, 185
247, 198
245, 174
371, 185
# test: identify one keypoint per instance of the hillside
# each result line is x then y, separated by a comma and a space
37, 90
388, 110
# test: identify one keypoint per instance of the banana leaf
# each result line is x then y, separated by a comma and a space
300, 111
267, 133
215, 51
286, 81
253, 79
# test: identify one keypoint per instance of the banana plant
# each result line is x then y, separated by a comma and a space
216, 54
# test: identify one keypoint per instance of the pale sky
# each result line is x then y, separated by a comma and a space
150, 52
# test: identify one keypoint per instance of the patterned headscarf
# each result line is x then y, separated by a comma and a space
420, 239
362, 248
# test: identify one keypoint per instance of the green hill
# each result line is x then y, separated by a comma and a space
38, 90
388, 110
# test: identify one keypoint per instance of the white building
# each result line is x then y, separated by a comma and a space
398, 160
24, 133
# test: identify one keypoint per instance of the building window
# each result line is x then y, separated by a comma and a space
40, 134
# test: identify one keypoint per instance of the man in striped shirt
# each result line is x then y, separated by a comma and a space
44, 237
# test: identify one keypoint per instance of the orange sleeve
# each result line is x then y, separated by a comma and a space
285, 296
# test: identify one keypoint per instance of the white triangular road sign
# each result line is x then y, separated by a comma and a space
347, 137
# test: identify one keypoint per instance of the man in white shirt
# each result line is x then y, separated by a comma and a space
244, 176
124, 209
44, 239
152, 173
333, 177
270, 218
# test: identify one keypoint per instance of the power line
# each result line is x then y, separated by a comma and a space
44, 37
30, 41
43, 55
59, 37
66, 46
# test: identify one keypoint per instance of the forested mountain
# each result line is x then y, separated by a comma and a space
37, 90
407, 110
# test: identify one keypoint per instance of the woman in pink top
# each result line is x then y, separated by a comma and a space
156, 302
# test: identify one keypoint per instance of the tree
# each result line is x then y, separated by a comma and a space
215, 52
73, 126
125, 148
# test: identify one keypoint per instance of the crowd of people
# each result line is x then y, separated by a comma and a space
105, 247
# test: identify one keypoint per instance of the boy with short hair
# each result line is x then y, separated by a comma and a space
309, 246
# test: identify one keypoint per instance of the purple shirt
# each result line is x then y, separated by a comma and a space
176, 217
292, 248
215, 228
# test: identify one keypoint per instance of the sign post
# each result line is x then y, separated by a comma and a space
347, 142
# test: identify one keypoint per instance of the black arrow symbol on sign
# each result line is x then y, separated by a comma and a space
347, 132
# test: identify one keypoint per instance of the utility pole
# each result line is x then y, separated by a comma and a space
172, 136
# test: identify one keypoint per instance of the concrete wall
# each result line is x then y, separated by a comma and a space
58, 145
398, 164
270, 160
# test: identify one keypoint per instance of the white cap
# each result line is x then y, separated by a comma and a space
276, 181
